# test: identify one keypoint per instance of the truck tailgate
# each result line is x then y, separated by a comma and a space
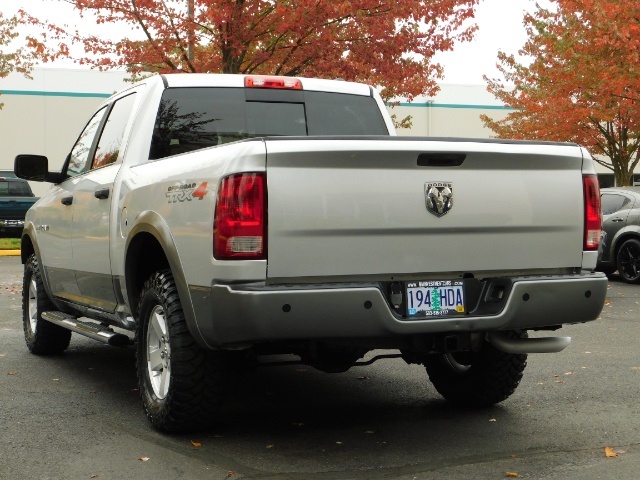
357, 207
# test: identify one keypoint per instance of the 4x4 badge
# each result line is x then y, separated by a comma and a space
439, 197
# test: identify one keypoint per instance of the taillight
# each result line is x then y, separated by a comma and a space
592, 212
262, 81
239, 228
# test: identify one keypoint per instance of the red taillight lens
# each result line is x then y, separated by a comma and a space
261, 81
592, 212
239, 228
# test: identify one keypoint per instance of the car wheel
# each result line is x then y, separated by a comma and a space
477, 379
628, 261
42, 337
181, 384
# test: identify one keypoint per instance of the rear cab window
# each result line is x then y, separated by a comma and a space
14, 188
191, 118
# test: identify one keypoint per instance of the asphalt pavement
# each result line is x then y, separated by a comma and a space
78, 416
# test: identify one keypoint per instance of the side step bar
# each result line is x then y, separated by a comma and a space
95, 331
528, 345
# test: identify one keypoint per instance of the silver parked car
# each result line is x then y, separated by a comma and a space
621, 223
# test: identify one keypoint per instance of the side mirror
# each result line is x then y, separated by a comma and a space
34, 168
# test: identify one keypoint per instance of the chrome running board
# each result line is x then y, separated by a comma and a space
95, 331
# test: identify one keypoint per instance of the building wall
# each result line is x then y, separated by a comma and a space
44, 115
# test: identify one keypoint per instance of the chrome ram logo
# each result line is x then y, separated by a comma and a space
439, 197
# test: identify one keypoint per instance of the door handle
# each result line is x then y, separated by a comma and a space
618, 220
67, 200
101, 194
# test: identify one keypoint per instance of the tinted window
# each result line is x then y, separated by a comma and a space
81, 150
193, 118
337, 114
611, 203
14, 189
108, 149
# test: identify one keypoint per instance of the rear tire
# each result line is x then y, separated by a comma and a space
628, 261
182, 386
42, 337
477, 379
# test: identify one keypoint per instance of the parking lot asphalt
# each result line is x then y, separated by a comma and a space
78, 416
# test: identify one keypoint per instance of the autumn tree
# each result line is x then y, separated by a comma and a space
12, 57
583, 84
389, 43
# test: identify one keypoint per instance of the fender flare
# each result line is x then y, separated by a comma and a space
152, 223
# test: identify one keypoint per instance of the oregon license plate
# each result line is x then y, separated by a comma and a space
435, 298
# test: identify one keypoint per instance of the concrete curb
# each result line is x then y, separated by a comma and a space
9, 253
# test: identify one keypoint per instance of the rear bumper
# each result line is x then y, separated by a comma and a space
229, 314
11, 228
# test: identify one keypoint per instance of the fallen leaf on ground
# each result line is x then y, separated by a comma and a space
369, 431
144, 459
12, 373
568, 373
493, 420
231, 474
94, 475
196, 444
609, 453
269, 446
363, 378
512, 475
339, 443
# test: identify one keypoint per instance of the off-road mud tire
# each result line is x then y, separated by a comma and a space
193, 396
42, 337
477, 379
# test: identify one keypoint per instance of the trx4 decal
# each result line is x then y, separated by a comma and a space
186, 192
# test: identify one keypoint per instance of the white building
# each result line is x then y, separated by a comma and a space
43, 115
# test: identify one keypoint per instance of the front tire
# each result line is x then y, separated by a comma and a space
42, 337
477, 379
628, 261
181, 384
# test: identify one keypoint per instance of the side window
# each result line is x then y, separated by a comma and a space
80, 152
611, 203
108, 149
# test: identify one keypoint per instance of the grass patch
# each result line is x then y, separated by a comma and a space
9, 244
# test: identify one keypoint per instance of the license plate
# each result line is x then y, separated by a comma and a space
435, 298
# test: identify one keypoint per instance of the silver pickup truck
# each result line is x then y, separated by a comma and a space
218, 222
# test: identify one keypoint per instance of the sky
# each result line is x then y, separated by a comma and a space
499, 21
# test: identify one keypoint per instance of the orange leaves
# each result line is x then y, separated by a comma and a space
389, 44
585, 62
609, 452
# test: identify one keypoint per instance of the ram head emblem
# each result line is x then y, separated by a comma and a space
439, 197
